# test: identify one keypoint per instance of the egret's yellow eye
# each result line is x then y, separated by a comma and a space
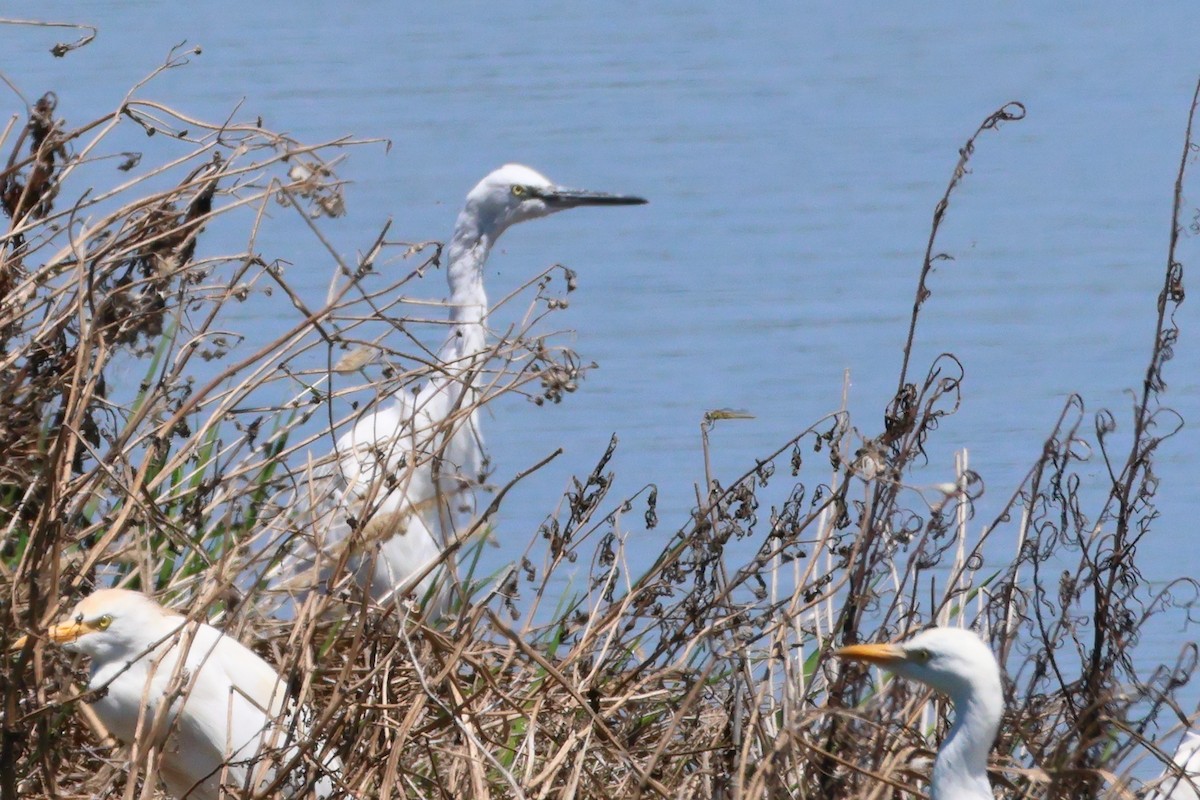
104, 621
518, 191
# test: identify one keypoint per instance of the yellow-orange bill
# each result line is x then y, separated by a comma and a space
881, 654
59, 634
66, 632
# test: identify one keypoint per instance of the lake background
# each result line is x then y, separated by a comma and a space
792, 155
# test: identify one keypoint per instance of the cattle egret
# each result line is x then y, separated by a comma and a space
400, 485
956, 663
1172, 785
227, 708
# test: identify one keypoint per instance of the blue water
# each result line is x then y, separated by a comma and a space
792, 155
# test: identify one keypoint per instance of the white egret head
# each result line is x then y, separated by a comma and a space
113, 623
958, 664
954, 661
516, 193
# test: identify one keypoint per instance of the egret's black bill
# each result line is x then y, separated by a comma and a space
568, 198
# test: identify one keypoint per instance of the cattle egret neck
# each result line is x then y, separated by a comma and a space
956, 663
228, 707
1176, 786
402, 480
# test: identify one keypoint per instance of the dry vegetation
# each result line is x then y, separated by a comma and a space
702, 677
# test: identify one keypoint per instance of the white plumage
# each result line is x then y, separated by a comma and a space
1173, 786
211, 707
956, 663
401, 483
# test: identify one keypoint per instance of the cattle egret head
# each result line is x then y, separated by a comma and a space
956, 663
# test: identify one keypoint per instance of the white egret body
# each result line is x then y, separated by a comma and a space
956, 663
403, 480
1173, 786
226, 705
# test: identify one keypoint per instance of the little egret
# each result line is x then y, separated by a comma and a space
956, 663
227, 706
402, 485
